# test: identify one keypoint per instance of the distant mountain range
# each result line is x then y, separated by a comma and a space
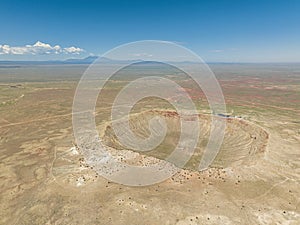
87, 60
90, 59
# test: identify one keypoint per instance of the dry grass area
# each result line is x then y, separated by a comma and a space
254, 179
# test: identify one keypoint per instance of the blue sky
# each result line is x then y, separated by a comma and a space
218, 31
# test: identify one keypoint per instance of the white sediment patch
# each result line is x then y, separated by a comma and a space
79, 182
276, 216
74, 151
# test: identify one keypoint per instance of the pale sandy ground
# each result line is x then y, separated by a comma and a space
45, 181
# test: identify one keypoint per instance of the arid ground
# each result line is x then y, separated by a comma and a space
255, 178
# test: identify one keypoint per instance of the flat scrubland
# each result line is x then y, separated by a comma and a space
253, 180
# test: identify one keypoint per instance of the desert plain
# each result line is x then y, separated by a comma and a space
255, 178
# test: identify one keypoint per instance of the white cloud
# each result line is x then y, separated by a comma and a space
39, 48
73, 50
